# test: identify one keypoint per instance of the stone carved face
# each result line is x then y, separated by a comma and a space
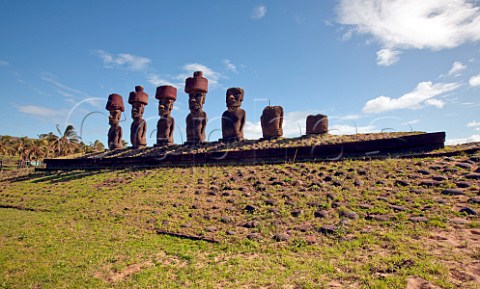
137, 110
165, 106
196, 100
234, 99
114, 117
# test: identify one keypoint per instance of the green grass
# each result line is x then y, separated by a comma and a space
99, 230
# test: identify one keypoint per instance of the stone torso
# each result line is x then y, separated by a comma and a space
138, 133
232, 125
196, 123
165, 127
115, 137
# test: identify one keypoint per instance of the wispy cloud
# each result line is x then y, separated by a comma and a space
212, 76
422, 94
40, 111
123, 60
230, 66
259, 12
387, 56
474, 80
457, 68
413, 24
4, 63
62, 88
158, 81
473, 124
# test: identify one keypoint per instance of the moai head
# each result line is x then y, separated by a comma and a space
116, 107
197, 88
272, 122
317, 124
234, 97
166, 96
138, 99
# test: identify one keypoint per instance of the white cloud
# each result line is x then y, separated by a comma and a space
129, 61
412, 100
230, 66
259, 12
157, 81
41, 111
413, 24
473, 124
252, 130
475, 80
341, 129
212, 76
438, 103
387, 56
457, 68
455, 141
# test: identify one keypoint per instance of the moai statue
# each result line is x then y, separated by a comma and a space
317, 124
197, 88
272, 122
138, 130
166, 95
116, 107
233, 119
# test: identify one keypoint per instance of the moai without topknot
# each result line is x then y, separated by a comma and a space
272, 122
166, 96
233, 119
138, 130
317, 124
115, 107
196, 87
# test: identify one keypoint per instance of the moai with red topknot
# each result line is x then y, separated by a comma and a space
233, 119
196, 87
138, 130
166, 96
115, 107
272, 122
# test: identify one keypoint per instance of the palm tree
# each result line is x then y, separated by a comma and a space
63, 144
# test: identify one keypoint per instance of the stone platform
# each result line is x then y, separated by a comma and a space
151, 158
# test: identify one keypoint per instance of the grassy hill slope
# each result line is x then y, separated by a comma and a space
352, 224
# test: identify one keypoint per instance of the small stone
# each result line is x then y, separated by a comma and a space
418, 219
365, 206
186, 225
397, 208
473, 176
469, 211
474, 200
439, 178
462, 184
382, 199
349, 214
458, 221
424, 172
230, 232
311, 240
402, 183
254, 237
211, 229
464, 166
270, 202
250, 209
327, 229
452, 192
281, 237
320, 214
251, 224
226, 219
417, 191
381, 218
358, 183
296, 213
430, 183
274, 211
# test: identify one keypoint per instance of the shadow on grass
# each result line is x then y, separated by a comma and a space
65, 176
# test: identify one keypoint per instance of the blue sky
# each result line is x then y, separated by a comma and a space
370, 65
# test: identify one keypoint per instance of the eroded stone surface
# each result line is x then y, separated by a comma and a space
317, 124
138, 129
166, 96
272, 122
197, 88
116, 107
233, 119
